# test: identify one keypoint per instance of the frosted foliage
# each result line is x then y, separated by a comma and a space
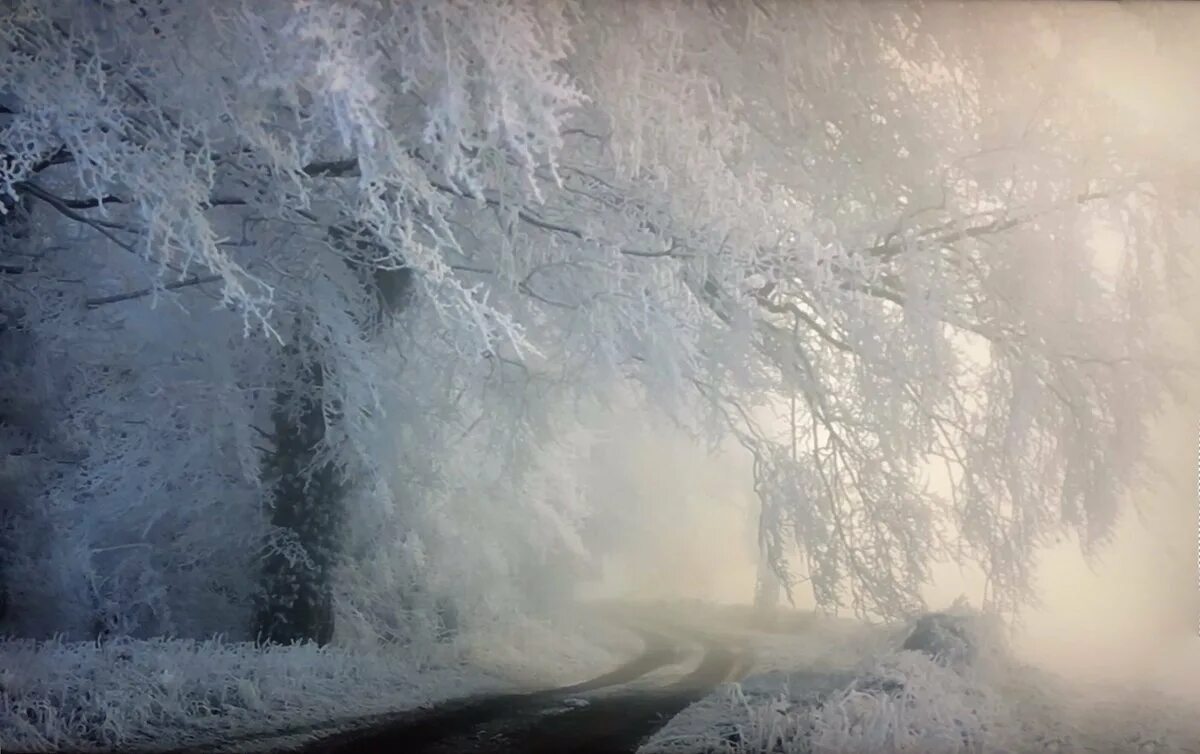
226, 103
835, 233
974, 327
136, 695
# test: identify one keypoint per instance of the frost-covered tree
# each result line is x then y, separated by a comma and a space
303, 165
943, 272
333, 277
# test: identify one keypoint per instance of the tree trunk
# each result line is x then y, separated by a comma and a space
308, 500
306, 510
766, 589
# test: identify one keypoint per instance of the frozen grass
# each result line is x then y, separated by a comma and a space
829, 650
803, 701
160, 694
163, 694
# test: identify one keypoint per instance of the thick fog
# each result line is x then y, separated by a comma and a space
1128, 613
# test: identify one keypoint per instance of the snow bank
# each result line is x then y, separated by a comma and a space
913, 702
159, 694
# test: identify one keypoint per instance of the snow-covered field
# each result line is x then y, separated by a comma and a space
834, 687
162, 694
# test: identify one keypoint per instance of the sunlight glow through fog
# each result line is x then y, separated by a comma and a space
1134, 613
1131, 615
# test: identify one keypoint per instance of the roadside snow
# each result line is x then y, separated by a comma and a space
834, 687
159, 694
211, 695
827, 649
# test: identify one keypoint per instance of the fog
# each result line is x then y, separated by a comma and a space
1134, 614
683, 522
681, 519
1130, 613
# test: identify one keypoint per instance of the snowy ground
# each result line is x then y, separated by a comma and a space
129, 695
816, 685
822, 686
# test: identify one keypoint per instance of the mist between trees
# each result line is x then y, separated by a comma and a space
312, 315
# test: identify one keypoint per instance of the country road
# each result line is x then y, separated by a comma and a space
607, 714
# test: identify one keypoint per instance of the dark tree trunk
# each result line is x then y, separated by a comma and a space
307, 509
308, 493
16, 445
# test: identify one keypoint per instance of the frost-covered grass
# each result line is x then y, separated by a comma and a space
161, 694
827, 649
893, 701
132, 694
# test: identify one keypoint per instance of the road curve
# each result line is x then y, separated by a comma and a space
572, 718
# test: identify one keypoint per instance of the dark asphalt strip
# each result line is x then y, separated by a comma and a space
465, 725
613, 723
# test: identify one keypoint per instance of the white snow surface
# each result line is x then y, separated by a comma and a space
824, 686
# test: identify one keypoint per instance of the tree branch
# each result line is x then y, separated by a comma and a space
60, 157
349, 167
93, 303
332, 168
91, 203
889, 249
60, 204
